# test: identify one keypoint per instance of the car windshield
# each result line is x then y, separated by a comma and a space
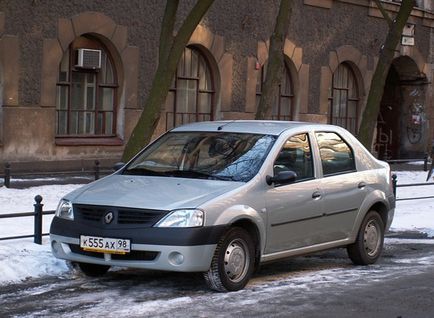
204, 155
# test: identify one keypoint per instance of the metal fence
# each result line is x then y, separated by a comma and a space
395, 186
426, 161
38, 214
96, 172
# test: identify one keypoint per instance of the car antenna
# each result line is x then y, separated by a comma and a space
221, 126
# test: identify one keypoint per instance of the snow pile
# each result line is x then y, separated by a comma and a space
22, 259
22, 200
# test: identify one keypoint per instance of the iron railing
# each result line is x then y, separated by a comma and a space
425, 160
395, 186
38, 214
95, 172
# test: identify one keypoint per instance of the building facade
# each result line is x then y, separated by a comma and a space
74, 75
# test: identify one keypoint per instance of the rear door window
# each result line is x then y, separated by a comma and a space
336, 155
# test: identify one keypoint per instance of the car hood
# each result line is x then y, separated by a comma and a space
149, 192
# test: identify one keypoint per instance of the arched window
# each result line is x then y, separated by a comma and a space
284, 101
191, 97
86, 91
344, 98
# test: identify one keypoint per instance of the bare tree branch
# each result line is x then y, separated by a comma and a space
383, 11
276, 62
190, 23
171, 49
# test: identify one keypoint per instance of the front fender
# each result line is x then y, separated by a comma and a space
237, 213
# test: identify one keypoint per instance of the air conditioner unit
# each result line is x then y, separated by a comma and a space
88, 58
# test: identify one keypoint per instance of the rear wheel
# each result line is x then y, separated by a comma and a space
233, 262
369, 243
93, 270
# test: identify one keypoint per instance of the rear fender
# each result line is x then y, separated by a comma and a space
375, 198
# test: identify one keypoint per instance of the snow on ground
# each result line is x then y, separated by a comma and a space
22, 259
414, 215
22, 200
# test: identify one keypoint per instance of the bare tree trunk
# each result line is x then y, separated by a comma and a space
387, 51
171, 48
275, 65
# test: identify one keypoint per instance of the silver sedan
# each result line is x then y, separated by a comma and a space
223, 197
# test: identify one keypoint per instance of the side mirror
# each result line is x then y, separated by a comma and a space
118, 165
283, 177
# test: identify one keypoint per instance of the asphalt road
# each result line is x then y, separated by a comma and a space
326, 284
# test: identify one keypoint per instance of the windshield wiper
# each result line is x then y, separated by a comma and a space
188, 174
143, 172
176, 173
225, 178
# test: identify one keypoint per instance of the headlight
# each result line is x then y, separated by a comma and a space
182, 218
64, 210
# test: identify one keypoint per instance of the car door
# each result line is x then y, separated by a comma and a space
343, 187
294, 209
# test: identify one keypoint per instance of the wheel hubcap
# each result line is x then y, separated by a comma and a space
372, 238
236, 256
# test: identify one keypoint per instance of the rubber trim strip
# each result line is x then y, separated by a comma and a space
314, 217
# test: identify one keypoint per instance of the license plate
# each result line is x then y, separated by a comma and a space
104, 244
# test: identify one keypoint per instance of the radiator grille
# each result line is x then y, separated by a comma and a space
121, 216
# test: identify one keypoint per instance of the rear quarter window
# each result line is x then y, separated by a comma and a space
337, 156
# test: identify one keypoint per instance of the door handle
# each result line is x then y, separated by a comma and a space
361, 185
316, 195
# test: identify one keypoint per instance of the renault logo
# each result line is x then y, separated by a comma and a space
108, 218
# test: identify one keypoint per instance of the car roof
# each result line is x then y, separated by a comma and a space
267, 127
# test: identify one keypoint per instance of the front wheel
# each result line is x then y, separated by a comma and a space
369, 243
233, 262
93, 270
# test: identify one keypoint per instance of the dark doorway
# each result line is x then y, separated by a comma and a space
388, 122
402, 125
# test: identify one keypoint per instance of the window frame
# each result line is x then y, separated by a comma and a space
172, 109
282, 95
98, 136
349, 99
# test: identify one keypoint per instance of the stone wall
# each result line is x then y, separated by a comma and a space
322, 34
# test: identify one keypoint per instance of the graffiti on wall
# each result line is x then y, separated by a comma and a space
416, 117
384, 140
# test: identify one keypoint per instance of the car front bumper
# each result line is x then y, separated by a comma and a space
181, 250
160, 257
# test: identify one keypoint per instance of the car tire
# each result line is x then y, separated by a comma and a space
233, 262
93, 270
369, 242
